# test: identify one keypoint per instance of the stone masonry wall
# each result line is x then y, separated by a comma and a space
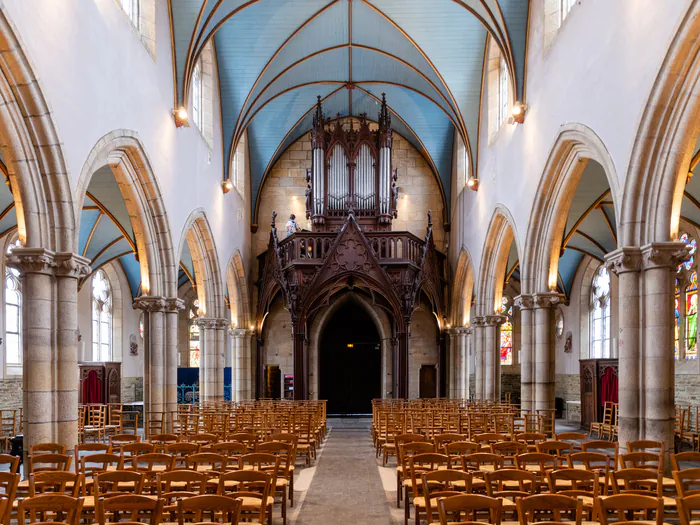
688, 389
510, 383
11, 393
132, 389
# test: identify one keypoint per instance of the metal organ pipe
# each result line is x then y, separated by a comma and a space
384, 180
364, 179
338, 178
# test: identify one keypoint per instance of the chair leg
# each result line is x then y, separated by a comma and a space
291, 489
398, 490
284, 506
406, 506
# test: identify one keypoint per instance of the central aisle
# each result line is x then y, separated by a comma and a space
346, 487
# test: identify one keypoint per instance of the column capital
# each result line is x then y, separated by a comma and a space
241, 333
149, 303
495, 320
664, 255
174, 304
212, 323
32, 260
478, 321
624, 260
71, 265
546, 299
524, 302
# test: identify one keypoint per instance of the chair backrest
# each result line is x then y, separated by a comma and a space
12, 462
648, 460
645, 445
182, 480
207, 461
426, 462
147, 462
47, 448
203, 438
161, 440
134, 507
489, 438
531, 438
248, 484
56, 482
509, 483
136, 449
49, 461
610, 448
555, 448
576, 437
508, 448
452, 509
574, 482
687, 481
182, 451
87, 448
236, 448
443, 483
687, 505
95, 463
637, 481
625, 506
479, 459
56, 508
117, 482
537, 462
116, 441
196, 508
552, 507
679, 460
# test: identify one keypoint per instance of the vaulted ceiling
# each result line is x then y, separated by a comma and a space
275, 57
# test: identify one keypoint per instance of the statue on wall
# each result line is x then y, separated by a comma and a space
568, 345
133, 345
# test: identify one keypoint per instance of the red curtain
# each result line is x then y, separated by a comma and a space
608, 387
92, 388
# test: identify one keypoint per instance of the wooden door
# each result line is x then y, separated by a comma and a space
428, 381
588, 404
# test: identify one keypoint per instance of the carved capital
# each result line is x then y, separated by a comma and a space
149, 303
478, 321
495, 320
624, 260
524, 302
71, 265
240, 333
664, 255
32, 260
174, 304
546, 300
212, 323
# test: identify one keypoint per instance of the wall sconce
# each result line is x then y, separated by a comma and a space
473, 183
226, 185
180, 115
518, 113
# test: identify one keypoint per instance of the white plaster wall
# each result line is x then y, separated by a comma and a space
98, 77
598, 72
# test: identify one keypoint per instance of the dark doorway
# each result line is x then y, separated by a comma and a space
428, 381
350, 361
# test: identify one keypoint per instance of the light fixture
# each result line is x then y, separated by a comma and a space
518, 113
252, 327
350, 345
226, 185
180, 115
473, 183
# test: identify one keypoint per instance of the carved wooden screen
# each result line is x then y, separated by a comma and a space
338, 178
364, 179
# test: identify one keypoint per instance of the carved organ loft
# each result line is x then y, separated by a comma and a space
351, 200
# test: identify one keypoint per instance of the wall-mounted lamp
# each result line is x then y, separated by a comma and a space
473, 183
226, 185
518, 113
180, 115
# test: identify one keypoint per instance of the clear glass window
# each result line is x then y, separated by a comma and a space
101, 317
600, 315
131, 8
13, 313
197, 95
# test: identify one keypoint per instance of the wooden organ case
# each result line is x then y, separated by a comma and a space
351, 170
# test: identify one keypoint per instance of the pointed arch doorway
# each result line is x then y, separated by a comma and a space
350, 361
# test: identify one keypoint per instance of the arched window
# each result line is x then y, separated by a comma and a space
600, 315
502, 92
197, 95
507, 332
238, 166
564, 8
101, 317
686, 305
193, 313
13, 314
131, 8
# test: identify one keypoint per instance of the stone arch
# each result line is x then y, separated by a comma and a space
501, 234
210, 287
382, 322
573, 147
31, 152
663, 148
124, 153
239, 297
463, 290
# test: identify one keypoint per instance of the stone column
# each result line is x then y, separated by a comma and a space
659, 263
626, 263
479, 324
468, 350
154, 353
173, 307
527, 397
492, 356
221, 327
241, 364
544, 350
207, 358
453, 364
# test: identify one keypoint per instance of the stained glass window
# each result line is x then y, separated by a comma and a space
194, 334
507, 332
691, 317
13, 313
686, 304
101, 317
677, 323
600, 315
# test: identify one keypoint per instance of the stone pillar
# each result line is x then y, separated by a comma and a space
492, 356
468, 350
173, 307
49, 364
544, 350
208, 359
626, 263
154, 354
659, 263
241, 364
524, 303
401, 379
479, 324
221, 328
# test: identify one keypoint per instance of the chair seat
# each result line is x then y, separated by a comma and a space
250, 503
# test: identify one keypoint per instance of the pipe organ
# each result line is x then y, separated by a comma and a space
351, 169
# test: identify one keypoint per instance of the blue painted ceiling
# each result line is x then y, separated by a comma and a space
275, 57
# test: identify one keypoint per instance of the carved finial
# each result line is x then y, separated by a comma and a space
274, 216
430, 218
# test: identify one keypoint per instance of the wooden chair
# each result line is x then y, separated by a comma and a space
508, 449
418, 465
539, 464
575, 438
150, 465
597, 426
47, 448
510, 483
610, 448
117, 441
553, 507
574, 482
114, 423
181, 481
55, 482
555, 448
647, 460
452, 509
440, 484
96, 421
12, 463
161, 441
135, 508
8, 427
285, 480
181, 451
406, 450
628, 506
680, 458
93, 448
8, 489
130, 423
118, 482
637, 481
48, 461
270, 464
254, 488
129, 450
208, 462
531, 439
50, 508
687, 481
686, 505
196, 508
204, 440
443, 439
